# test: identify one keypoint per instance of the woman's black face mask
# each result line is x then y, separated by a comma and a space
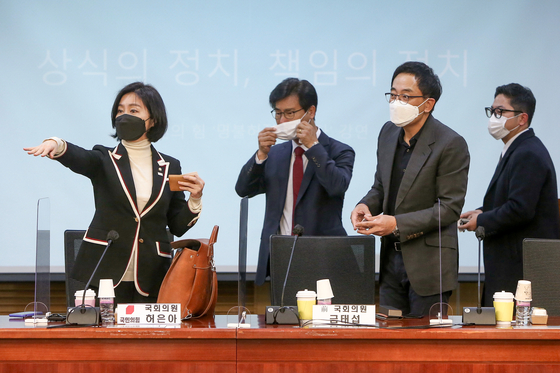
129, 127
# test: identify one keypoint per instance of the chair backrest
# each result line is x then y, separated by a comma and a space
541, 261
72, 242
348, 262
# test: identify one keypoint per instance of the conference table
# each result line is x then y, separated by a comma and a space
208, 345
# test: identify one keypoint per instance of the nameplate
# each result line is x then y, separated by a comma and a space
345, 313
149, 314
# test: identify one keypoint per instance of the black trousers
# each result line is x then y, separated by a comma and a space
395, 289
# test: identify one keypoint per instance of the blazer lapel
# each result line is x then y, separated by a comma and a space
386, 158
420, 154
499, 169
121, 162
502, 163
160, 169
310, 171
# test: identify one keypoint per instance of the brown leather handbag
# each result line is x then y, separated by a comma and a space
191, 280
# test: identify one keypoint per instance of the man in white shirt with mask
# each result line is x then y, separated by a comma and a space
522, 198
304, 179
419, 190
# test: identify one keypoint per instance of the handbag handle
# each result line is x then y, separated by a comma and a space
212, 240
195, 244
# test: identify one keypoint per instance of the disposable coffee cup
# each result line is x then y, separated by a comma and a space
503, 304
305, 302
324, 292
523, 292
106, 289
90, 298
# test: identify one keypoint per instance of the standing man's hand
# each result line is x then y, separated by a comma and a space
379, 225
267, 138
359, 214
472, 216
306, 133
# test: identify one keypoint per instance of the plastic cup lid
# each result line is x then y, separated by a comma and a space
306, 294
503, 295
80, 293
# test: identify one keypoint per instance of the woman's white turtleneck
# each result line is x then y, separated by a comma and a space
140, 156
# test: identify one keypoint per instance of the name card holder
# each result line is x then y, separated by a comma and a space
149, 314
339, 314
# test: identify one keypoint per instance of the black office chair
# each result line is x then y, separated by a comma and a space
541, 261
72, 242
348, 262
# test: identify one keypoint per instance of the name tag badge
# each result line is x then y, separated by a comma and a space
149, 314
338, 314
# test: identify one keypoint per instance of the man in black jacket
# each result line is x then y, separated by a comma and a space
522, 199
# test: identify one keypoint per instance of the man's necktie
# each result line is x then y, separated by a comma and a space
297, 177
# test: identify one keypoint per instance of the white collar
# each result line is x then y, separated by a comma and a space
510, 141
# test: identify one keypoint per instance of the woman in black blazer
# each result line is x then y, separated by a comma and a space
132, 197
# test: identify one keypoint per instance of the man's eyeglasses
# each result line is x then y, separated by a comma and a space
403, 98
498, 111
287, 114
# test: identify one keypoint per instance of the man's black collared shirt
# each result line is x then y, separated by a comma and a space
400, 162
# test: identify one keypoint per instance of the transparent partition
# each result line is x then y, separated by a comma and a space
42, 301
242, 263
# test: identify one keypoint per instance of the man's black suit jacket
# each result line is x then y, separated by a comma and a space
521, 202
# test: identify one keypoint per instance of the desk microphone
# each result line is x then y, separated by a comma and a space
82, 315
111, 236
480, 234
275, 314
297, 232
440, 320
479, 315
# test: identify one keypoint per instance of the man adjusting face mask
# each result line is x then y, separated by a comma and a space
129, 127
287, 130
403, 114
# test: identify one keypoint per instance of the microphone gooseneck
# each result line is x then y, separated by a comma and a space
297, 231
111, 236
480, 234
440, 274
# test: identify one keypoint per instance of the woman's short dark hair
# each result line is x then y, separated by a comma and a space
304, 90
154, 103
520, 98
428, 82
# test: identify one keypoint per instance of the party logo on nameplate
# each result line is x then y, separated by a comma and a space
345, 313
149, 314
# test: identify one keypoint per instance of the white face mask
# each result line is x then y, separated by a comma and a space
287, 130
401, 115
497, 127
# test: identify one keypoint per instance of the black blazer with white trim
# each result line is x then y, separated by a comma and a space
116, 209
